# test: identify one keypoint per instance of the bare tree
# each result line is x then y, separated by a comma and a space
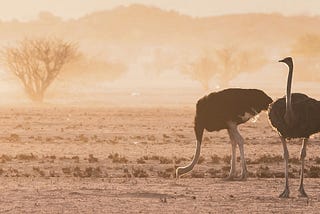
233, 61
307, 46
223, 64
202, 70
37, 63
306, 52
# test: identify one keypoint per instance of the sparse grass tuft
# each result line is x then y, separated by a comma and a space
294, 160
66, 170
141, 160
76, 158
92, 159
14, 138
226, 159
139, 173
27, 157
164, 160
215, 159
317, 159
214, 173
264, 172
164, 174
195, 174
5, 158
267, 158
314, 172
116, 158
178, 160
201, 160
37, 169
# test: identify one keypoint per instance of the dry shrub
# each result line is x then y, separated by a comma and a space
179, 160
214, 173
226, 159
92, 172
294, 160
201, 160
314, 172
66, 170
26, 157
126, 172
13, 172
77, 172
225, 168
5, 158
164, 160
215, 159
151, 138
76, 158
14, 138
264, 172
53, 173
267, 158
180, 136
164, 174
82, 138
88, 172
139, 173
145, 157
317, 159
141, 160
165, 136
195, 174
155, 157
92, 159
37, 169
53, 157
116, 158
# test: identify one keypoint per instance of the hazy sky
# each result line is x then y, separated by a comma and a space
28, 9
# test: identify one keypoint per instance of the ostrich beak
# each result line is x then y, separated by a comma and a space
281, 60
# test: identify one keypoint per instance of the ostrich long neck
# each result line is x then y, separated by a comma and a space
289, 111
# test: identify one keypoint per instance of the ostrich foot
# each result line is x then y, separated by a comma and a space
229, 178
243, 176
285, 193
302, 192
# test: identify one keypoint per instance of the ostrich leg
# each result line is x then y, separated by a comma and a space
303, 154
243, 160
239, 140
233, 157
286, 192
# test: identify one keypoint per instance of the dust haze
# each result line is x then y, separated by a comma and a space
130, 53
97, 109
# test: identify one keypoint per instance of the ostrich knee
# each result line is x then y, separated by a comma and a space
303, 153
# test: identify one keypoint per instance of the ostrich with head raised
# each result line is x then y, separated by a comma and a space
294, 116
226, 109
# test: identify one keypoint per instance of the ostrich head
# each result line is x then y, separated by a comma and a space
288, 61
181, 170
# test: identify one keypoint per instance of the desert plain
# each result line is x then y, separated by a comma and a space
62, 159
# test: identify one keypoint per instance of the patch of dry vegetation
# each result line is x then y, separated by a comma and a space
116, 158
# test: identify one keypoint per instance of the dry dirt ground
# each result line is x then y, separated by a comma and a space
122, 160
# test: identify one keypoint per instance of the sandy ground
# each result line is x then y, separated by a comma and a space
122, 160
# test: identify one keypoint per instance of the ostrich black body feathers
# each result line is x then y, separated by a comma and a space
215, 110
306, 118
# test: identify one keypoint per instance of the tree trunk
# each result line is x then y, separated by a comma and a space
36, 97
